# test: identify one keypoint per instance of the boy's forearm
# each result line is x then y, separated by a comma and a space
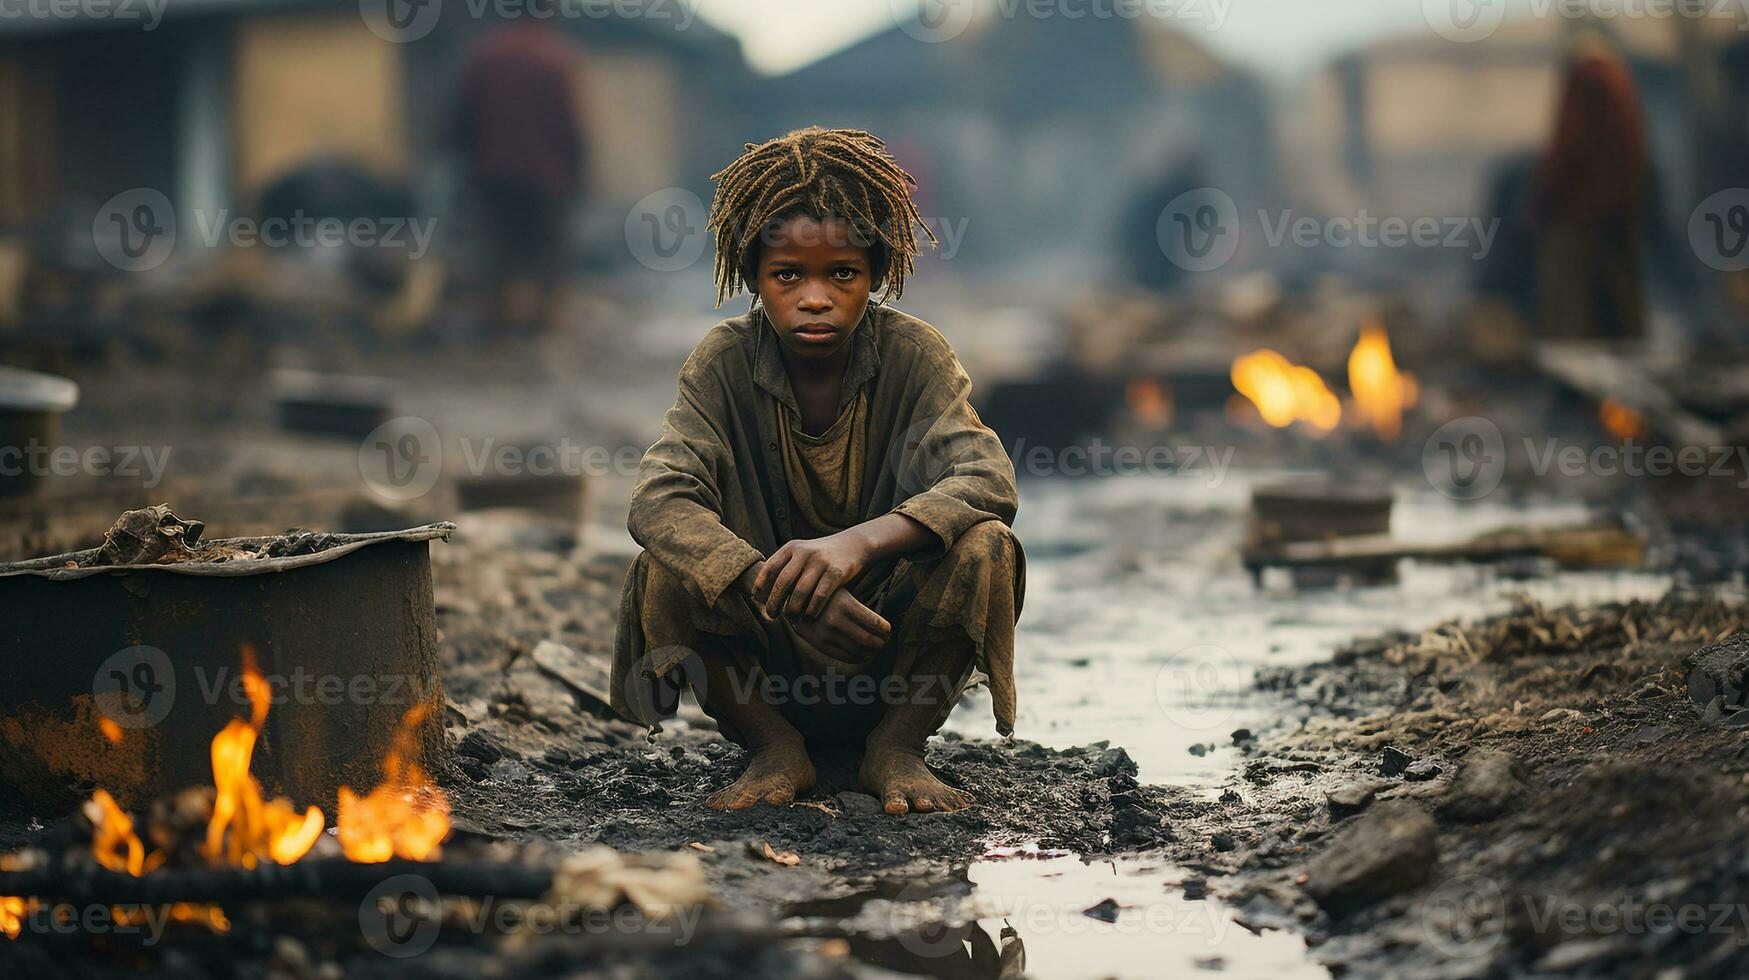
893, 534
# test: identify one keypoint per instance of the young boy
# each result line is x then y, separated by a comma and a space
825, 520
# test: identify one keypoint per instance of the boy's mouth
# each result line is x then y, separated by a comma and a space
815, 332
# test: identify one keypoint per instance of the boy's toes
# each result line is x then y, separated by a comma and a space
896, 803
781, 795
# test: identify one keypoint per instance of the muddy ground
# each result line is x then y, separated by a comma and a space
1546, 792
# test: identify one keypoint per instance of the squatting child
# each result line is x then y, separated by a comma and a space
828, 558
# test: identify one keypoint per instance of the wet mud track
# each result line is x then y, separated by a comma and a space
1545, 792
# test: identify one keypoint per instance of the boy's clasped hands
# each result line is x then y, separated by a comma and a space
804, 581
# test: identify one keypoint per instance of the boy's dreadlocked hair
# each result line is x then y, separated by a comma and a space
823, 173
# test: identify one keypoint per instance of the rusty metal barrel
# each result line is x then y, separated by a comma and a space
119, 676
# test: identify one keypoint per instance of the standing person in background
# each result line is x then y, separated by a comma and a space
520, 132
1589, 199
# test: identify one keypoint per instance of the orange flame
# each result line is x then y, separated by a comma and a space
1150, 402
1622, 422
110, 729
258, 830
114, 843
1285, 393
1381, 392
406, 815
12, 912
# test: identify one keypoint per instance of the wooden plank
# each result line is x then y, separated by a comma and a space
1597, 372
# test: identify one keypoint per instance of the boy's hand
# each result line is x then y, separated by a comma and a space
847, 630
800, 578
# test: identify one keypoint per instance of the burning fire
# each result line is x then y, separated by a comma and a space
405, 816
1622, 422
12, 910
259, 830
1381, 392
1285, 393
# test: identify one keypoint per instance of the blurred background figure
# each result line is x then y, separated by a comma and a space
1589, 200
520, 135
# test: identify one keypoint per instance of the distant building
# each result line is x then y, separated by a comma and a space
226, 95
1036, 137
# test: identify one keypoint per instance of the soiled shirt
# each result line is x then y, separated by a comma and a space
823, 473
711, 498
714, 495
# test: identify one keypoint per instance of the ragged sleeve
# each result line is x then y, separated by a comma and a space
952, 471
678, 504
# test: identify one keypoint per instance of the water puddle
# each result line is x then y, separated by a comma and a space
1063, 918
1142, 628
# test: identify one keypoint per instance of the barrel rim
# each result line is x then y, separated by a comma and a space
55, 567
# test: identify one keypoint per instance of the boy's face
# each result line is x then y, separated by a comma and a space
814, 282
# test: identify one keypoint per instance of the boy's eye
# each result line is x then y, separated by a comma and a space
845, 274
787, 275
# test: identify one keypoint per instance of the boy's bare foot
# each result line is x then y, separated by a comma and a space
777, 773
900, 780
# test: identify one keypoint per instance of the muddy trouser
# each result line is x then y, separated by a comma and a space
973, 592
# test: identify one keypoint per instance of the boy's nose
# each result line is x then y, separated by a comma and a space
814, 301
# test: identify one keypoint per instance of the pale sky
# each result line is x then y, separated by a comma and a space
1279, 38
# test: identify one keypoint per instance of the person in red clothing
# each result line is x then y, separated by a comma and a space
520, 132
1589, 200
